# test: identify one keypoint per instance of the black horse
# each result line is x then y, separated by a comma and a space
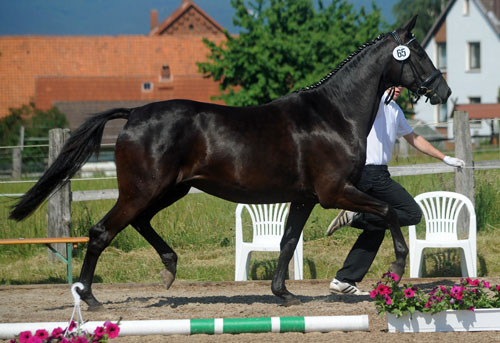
307, 147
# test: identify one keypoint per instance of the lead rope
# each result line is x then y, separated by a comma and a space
76, 309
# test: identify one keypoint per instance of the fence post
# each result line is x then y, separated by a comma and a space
17, 156
464, 177
59, 204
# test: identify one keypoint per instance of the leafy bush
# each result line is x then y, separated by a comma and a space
37, 123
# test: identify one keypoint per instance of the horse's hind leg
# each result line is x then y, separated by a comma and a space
143, 226
101, 236
294, 226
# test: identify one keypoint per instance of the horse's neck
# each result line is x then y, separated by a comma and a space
359, 85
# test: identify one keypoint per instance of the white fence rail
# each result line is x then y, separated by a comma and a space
464, 180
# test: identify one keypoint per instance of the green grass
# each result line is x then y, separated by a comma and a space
201, 230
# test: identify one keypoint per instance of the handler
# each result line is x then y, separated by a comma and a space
376, 181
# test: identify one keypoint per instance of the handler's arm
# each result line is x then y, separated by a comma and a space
423, 145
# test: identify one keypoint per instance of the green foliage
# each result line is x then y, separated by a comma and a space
37, 123
487, 198
428, 11
405, 104
285, 45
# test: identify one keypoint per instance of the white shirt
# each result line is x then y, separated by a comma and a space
389, 124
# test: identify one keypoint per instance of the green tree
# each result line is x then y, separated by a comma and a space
405, 103
285, 45
428, 11
37, 123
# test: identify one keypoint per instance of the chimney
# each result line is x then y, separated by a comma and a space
153, 19
496, 8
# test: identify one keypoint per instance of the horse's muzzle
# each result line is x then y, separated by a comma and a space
436, 98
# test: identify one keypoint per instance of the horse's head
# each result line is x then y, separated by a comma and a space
411, 67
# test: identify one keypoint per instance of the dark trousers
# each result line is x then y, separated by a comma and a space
376, 181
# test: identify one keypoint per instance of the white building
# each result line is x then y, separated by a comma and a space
464, 43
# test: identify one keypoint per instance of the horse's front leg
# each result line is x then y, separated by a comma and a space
294, 225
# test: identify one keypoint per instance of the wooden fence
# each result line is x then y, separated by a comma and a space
59, 205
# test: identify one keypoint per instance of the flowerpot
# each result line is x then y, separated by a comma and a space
451, 320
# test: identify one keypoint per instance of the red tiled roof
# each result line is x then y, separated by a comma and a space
24, 59
480, 111
188, 9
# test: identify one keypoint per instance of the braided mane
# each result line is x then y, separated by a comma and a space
344, 62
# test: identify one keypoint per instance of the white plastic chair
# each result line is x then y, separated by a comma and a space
441, 212
268, 222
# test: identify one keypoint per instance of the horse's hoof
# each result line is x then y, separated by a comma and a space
291, 302
397, 269
167, 277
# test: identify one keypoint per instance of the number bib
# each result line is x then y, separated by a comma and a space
401, 52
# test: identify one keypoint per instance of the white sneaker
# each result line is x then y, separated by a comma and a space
345, 288
344, 218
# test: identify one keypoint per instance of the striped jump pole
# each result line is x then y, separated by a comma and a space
208, 326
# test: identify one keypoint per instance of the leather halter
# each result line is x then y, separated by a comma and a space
424, 87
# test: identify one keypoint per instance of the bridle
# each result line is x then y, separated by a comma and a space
424, 87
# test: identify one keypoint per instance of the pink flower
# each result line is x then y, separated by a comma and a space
111, 329
388, 299
472, 282
391, 275
42, 334
409, 293
457, 292
498, 288
72, 325
24, 337
35, 339
383, 289
99, 332
373, 293
486, 284
57, 332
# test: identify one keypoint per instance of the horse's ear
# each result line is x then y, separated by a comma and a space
410, 25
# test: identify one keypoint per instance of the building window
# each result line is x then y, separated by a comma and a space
474, 99
443, 113
474, 56
165, 73
147, 86
441, 56
466, 7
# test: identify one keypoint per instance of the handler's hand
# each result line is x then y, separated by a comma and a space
454, 162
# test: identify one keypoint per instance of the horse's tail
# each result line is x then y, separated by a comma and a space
80, 146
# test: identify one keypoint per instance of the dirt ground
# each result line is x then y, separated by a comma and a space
185, 300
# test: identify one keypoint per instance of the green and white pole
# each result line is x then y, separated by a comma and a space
207, 326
